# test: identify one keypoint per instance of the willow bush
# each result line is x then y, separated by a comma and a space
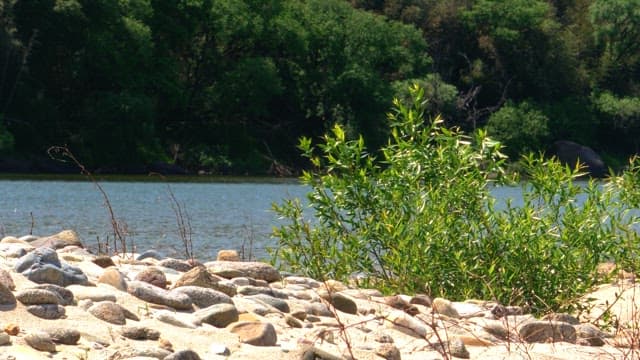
420, 217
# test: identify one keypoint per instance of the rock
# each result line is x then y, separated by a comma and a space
204, 297
228, 255
255, 333
103, 261
165, 344
5, 339
63, 335
396, 302
6, 296
139, 333
40, 341
59, 240
388, 351
176, 264
545, 331
343, 303
103, 293
6, 280
154, 294
271, 301
590, 334
38, 296
255, 290
219, 349
569, 152
252, 269
113, 277
150, 254
47, 311
403, 322
12, 250
383, 338
43, 266
65, 294
12, 329
219, 315
293, 322
140, 352
496, 328
200, 276
567, 318
421, 299
458, 349
176, 319
444, 307
183, 355
153, 276
108, 311
301, 280
316, 353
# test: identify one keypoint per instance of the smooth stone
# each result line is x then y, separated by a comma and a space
153, 276
176, 264
13, 250
300, 280
5, 339
176, 319
200, 276
254, 290
219, 315
103, 261
421, 299
591, 334
150, 254
43, 266
108, 311
544, 331
228, 255
252, 269
563, 317
41, 256
344, 303
293, 322
65, 336
65, 294
405, 323
183, 355
318, 309
6, 296
47, 311
444, 307
38, 296
496, 328
113, 277
458, 349
154, 294
271, 301
139, 333
93, 293
204, 297
40, 341
255, 333
59, 240
140, 351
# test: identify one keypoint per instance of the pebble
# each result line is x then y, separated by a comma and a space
112, 276
6, 296
65, 336
153, 276
108, 311
252, 269
176, 264
204, 297
47, 311
255, 333
95, 294
293, 322
219, 315
12, 329
444, 307
37, 297
65, 294
139, 333
170, 317
40, 341
6, 280
271, 301
545, 331
103, 261
5, 339
201, 277
156, 295
343, 303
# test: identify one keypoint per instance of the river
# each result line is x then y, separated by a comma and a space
222, 215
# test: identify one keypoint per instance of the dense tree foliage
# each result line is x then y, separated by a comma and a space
230, 85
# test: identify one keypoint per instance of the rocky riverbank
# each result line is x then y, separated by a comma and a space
58, 301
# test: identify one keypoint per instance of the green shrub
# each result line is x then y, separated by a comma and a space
421, 217
521, 128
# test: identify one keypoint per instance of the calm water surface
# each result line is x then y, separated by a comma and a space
222, 215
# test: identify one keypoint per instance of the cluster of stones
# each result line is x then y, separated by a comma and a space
298, 316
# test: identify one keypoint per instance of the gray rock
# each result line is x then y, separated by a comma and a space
175, 264
200, 276
590, 334
153, 276
63, 335
343, 303
38, 296
271, 301
139, 333
255, 333
544, 331
38, 256
47, 311
183, 355
457, 349
40, 341
421, 299
103, 261
293, 322
569, 152
150, 254
6, 280
251, 269
204, 297
444, 307
6, 296
43, 266
219, 315
314, 353
388, 351
109, 312
496, 328
5, 339
254, 290
154, 294
65, 294
567, 318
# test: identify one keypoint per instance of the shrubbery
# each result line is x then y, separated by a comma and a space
420, 216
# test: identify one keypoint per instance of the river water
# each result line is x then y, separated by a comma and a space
222, 215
